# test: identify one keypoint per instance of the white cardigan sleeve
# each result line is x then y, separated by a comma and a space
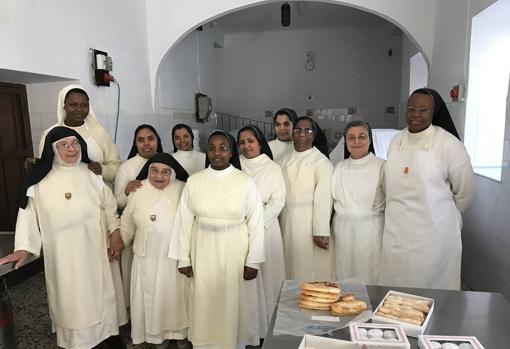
121, 181
127, 224
255, 220
180, 242
322, 200
28, 236
276, 201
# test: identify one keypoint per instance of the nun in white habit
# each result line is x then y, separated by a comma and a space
182, 140
146, 143
218, 238
305, 219
158, 291
429, 182
256, 161
67, 210
74, 111
284, 121
357, 188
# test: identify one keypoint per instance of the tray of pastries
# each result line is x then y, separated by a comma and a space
328, 296
411, 311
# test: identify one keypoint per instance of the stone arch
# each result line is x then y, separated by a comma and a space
189, 18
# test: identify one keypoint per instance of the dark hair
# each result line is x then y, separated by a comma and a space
134, 149
291, 114
319, 138
358, 123
259, 136
234, 160
76, 90
314, 125
187, 128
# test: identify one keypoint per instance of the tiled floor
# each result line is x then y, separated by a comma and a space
32, 322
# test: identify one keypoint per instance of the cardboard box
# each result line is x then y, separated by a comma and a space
426, 341
411, 330
317, 342
363, 342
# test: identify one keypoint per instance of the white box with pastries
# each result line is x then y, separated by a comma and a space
316, 342
412, 330
378, 336
461, 342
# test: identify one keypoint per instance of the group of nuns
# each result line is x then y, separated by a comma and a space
205, 241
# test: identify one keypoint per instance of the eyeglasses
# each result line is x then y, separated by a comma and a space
67, 146
362, 137
306, 131
164, 172
419, 110
221, 148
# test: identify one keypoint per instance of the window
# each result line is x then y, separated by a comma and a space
489, 68
418, 72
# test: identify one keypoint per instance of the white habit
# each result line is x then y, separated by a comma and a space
307, 213
271, 186
69, 214
127, 172
280, 149
429, 182
100, 147
219, 229
158, 291
357, 188
192, 161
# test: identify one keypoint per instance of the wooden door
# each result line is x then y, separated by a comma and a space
15, 146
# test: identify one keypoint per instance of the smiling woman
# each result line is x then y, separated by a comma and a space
256, 161
358, 202
218, 238
157, 289
428, 175
75, 112
184, 152
82, 304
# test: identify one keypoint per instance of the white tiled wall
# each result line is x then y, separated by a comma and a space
42, 104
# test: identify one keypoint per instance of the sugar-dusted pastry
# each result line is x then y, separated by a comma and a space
343, 308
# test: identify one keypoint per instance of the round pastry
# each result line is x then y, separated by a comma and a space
322, 286
347, 296
435, 345
466, 346
390, 334
324, 295
375, 333
355, 304
363, 333
348, 307
449, 346
308, 298
314, 305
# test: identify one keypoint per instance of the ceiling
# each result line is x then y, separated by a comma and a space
20, 77
304, 15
